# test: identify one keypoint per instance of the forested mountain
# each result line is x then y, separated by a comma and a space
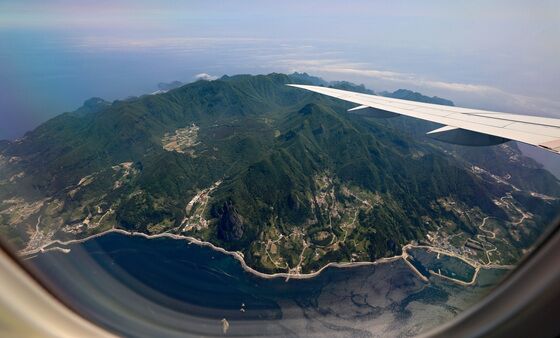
285, 176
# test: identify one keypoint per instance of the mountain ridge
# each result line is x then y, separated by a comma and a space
284, 176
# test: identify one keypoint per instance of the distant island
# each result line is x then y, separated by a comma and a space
285, 179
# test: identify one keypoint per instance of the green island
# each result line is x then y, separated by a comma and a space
286, 179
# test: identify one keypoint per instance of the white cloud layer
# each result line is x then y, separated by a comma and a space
267, 55
205, 77
465, 94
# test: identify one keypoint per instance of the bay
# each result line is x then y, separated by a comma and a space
165, 287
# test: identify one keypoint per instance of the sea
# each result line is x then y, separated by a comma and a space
165, 287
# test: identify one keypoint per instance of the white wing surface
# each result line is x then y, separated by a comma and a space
461, 125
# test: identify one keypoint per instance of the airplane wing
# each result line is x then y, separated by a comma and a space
461, 125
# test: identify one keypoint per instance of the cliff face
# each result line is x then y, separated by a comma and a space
230, 225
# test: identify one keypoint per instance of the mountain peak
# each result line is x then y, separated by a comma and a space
166, 86
94, 102
92, 105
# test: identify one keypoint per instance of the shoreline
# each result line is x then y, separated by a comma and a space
239, 257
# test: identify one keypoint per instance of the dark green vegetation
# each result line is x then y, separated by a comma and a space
285, 176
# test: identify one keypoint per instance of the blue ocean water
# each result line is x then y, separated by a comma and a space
165, 287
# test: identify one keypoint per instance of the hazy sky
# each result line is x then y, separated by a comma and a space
501, 55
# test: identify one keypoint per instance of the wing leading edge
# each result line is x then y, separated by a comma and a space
461, 125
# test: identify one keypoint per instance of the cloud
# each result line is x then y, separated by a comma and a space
358, 69
472, 95
181, 43
250, 55
205, 77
